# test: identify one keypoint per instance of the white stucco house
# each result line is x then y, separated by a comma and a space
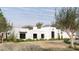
35, 33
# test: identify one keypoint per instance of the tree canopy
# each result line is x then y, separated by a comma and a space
4, 25
39, 25
67, 19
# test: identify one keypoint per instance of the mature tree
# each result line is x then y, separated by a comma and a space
67, 20
28, 26
4, 25
39, 25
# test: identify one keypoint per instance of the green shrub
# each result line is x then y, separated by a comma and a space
29, 40
66, 40
76, 43
26, 40
41, 39
51, 39
37, 39
20, 40
11, 38
56, 39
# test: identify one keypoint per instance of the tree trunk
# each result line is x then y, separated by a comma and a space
2, 38
72, 42
72, 38
6, 35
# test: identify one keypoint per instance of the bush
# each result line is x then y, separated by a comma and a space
41, 39
20, 40
11, 38
29, 39
51, 39
56, 39
66, 40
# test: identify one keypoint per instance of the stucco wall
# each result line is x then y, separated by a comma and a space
45, 30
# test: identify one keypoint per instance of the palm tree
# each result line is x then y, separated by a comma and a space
67, 20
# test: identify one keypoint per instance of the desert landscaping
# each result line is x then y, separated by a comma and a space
59, 32
54, 45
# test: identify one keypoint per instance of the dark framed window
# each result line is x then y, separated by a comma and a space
22, 35
42, 36
34, 35
52, 34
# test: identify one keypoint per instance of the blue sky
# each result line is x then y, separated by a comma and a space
20, 16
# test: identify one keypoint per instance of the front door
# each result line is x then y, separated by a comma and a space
52, 34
